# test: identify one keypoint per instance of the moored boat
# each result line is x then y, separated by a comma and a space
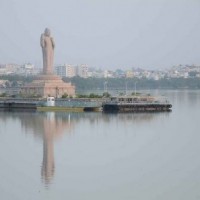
140, 103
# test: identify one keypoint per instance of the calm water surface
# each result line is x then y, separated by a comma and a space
91, 156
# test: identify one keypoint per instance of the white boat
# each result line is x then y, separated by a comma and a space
141, 103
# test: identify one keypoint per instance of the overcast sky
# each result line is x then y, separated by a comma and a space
152, 34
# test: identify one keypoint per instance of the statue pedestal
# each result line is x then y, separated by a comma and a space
48, 85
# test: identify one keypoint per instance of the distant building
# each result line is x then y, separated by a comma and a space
129, 74
71, 71
26, 69
108, 74
61, 70
65, 70
98, 74
4, 83
3, 71
11, 68
29, 66
82, 70
119, 73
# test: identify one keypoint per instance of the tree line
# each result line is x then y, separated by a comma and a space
133, 83
115, 83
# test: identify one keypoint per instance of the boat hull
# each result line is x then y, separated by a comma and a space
109, 107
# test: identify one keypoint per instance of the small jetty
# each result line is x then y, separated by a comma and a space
51, 104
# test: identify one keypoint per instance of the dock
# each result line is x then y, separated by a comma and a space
83, 105
68, 105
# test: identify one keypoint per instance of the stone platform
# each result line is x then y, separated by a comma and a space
48, 85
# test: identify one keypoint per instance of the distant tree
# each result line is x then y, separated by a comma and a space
192, 74
137, 93
64, 96
92, 95
7, 83
3, 94
106, 94
81, 96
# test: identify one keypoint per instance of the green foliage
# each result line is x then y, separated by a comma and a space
192, 74
81, 96
137, 93
64, 96
16, 78
106, 94
91, 95
120, 83
34, 95
115, 83
3, 94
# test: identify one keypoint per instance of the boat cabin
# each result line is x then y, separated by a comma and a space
133, 99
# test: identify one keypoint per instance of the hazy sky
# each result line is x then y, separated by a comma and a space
102, 33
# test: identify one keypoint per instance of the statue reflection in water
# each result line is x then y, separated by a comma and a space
53, 127
48, 126
48, 166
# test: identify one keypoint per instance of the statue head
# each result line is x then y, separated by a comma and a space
47, 32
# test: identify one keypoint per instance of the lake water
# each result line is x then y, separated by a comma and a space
96, 156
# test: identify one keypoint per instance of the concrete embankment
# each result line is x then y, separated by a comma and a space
18, 106
59, 109
74, 105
